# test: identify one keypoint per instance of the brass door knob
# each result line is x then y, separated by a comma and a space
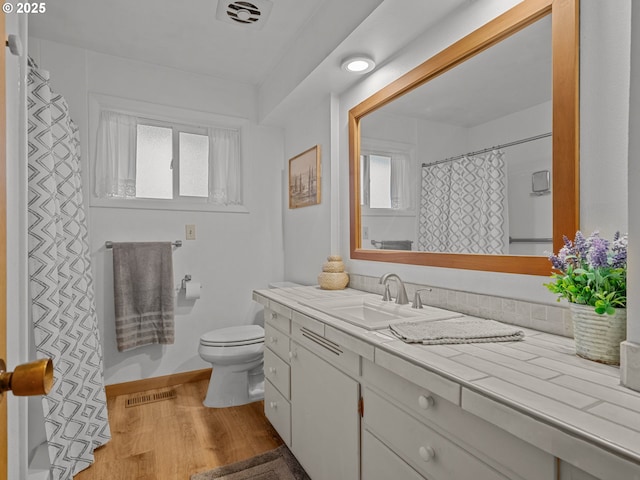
33, 378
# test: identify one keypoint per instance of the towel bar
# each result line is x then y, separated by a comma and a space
177, 244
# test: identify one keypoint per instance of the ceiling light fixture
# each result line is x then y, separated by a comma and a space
358, 64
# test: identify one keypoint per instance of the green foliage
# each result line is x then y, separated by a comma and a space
591, 271
604, 288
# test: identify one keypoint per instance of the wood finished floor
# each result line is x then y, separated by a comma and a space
173, 439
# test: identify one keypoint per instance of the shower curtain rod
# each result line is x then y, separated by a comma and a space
485, 150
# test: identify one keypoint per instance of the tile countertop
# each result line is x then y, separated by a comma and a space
534, 384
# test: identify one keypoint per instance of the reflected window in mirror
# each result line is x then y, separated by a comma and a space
387, 194
386, 181
375, 180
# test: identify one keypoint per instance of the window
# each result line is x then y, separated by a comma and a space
376, 180
154, 162
143, 159
385, 181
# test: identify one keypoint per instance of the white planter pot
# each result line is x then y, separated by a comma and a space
598, 337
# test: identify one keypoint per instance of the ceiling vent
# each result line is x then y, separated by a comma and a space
252, 13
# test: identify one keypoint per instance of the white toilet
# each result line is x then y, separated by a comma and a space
237, 357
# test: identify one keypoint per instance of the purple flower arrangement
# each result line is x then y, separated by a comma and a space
592, 271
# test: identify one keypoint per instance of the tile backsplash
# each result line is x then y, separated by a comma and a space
546, 318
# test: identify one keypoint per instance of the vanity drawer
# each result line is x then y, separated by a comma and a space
260, 299
504, 451
278, 320
430, 453
309, 323
276, 341
333, 352
280, 309
380, 463
277, 372
278, 410
419, 375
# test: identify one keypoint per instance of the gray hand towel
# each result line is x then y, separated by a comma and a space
143, 293
456, 330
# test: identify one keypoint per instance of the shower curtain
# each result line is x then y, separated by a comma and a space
463, 206
61, 291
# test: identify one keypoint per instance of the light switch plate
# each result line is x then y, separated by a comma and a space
190, 231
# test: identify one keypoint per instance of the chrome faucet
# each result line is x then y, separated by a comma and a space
417, 301
401, 299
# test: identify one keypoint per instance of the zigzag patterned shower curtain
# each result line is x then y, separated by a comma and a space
61, 284
463, 206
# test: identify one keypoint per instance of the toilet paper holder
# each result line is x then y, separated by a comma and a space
187, 278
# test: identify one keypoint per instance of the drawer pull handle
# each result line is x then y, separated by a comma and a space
273, 405
273, 340
272, 370
425, 401
274, 315
426, 453
293, 355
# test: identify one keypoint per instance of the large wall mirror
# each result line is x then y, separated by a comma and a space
471, 159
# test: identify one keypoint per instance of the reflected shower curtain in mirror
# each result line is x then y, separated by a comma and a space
63, 313
463, 206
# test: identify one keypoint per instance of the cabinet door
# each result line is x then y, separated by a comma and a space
325, 423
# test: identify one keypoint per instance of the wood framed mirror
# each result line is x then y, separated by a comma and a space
527, 17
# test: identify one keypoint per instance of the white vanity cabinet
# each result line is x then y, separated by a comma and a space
277, 395
309, 399
434, 436
360, 405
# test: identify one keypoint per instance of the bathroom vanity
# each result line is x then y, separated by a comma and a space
356, 403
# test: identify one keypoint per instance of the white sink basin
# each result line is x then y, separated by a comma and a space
370, 312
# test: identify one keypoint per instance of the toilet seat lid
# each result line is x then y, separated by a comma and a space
238, 335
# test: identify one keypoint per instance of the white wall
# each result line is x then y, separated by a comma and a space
233, 252
633, 294
604, 101
307, 230
605, 31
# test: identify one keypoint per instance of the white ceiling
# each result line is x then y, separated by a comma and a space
180, 34
186, 34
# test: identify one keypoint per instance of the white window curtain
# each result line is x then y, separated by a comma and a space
116, 156
366, 188
401, 189
225, 167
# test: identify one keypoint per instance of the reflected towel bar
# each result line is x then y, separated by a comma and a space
392, 244
177, 244
530, 240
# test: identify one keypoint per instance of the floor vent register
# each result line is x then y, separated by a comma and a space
141, 399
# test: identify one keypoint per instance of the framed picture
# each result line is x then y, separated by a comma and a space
304, 178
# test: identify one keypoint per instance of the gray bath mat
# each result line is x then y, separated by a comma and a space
278, 464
